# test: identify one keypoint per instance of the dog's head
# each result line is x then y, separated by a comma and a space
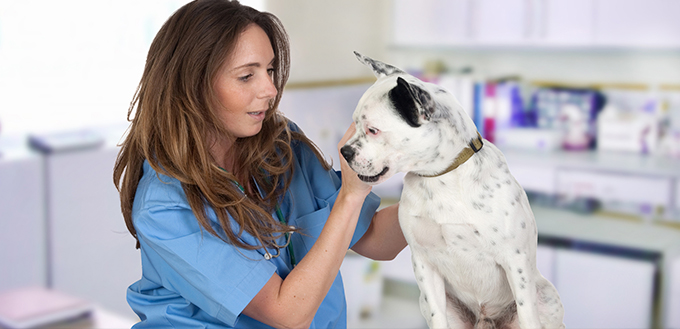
404, 124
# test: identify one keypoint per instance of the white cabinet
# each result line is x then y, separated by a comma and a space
537, 23
22, 231
603, 291
564, 22
501, 22
93, 255
431, 22
642, 23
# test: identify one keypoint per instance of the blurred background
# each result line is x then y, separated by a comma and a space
582, 96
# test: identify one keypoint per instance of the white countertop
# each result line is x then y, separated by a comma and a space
607, 230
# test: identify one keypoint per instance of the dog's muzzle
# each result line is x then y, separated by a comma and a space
349, 153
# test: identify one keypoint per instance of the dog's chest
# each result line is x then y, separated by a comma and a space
435, 216
453, 237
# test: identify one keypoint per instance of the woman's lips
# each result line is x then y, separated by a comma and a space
257, 115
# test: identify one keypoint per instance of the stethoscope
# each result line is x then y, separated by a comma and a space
289, 245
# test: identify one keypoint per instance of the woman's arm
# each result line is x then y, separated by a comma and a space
293, 302
384, 239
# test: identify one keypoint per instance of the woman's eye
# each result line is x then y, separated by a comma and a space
270, 72
245, 77
373, 131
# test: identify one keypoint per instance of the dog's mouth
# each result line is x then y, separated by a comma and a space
373, 179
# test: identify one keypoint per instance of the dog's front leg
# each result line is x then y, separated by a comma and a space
520, 274
432, 293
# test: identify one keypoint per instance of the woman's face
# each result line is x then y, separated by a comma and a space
244, 84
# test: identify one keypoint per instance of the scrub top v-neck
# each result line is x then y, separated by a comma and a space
192, 279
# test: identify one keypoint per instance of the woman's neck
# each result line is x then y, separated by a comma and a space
223, 154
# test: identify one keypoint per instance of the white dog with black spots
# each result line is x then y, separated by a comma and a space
466, 219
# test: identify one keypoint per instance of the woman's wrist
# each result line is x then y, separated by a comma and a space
352, 199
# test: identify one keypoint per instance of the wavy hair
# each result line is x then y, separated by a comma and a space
174, 119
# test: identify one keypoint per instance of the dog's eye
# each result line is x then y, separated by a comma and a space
372, 131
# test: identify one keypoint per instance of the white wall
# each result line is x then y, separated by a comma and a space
323, 35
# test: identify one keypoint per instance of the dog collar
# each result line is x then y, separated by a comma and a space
474, 147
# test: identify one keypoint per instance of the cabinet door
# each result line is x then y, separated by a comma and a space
639, 23
502, 22
431, 22
604, 291
22, 223
93, 255
565, 22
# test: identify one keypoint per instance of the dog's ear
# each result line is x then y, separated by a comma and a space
408, 98
379, 68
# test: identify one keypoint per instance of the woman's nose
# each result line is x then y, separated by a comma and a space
269, 89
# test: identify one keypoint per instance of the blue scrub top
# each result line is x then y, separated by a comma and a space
192, 279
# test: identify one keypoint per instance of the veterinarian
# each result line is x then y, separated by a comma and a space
240, 221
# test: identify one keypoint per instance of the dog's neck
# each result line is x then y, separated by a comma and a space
474, 146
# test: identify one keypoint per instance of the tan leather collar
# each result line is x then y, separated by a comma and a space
475, 145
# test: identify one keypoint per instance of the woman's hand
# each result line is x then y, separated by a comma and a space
293, 301
350, 181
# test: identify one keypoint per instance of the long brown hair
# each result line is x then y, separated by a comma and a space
174, 119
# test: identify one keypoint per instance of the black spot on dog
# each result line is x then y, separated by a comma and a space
477, 206
519, 270
517, 251
524, 225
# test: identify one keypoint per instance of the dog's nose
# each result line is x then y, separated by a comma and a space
347, 152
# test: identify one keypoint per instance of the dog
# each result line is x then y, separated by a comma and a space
466, 219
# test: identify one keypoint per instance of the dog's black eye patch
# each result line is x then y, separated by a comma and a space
403, 102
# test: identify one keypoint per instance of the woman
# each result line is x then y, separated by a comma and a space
240, 221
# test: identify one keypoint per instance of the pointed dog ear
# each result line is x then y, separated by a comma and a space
407, 98
379, 68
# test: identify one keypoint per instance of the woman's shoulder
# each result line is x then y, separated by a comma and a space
157, 190
300, 148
